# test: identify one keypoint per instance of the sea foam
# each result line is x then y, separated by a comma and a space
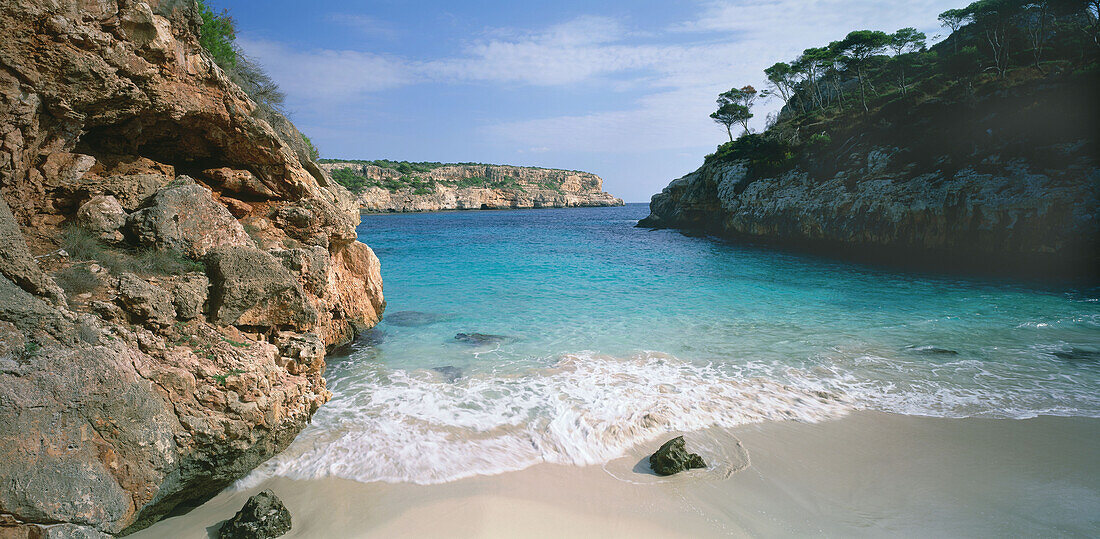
586, 409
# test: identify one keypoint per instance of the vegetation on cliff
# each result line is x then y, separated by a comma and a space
1038, 57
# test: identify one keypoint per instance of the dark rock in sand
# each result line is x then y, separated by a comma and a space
479, 338
263, 517
449, 372
413, 318
673, 458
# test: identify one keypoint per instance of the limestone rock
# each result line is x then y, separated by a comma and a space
189, 295
238, 208
117, 424
251, 287
103, 216
263, 517
18, 265
147, 301
241, 182
515, 187
184, 217
310, 265
673, 457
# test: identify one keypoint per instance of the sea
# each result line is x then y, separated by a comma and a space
512, 338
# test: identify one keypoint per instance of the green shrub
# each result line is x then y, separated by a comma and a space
312, 150
820, 139
83, 245
217, 35
77, 279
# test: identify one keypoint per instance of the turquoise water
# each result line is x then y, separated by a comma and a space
602, 336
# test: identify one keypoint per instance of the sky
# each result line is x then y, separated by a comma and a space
620, 88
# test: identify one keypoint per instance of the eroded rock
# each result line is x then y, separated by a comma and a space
102, 216
673, 457
250, 287
189, 295
184, 217
146, 301
263, 517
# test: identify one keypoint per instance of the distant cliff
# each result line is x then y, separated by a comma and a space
961, 168
386, 186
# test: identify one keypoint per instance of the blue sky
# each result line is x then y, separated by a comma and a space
619, 88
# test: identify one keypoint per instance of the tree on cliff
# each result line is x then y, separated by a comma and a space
781, 77
856, 49
735, 106
904, 42
729, 114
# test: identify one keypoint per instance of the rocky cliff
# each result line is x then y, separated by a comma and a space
1005, 181
471, 187
173, 267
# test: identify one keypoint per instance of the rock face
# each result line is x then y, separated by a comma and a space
506, 187
966, 185
165, 382
673, 458
263, 517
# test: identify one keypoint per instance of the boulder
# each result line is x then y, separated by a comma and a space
673, 458
131, 190
310, 264
241, 182
251, 287
478, 339
189, 295
263, 517
300, 353
238, 208
146, 301
184, 217
102, 216
17, 263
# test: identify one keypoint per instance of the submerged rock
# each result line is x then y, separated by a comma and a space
478, 339
932, 350
1078, 354
263, 517
449, 372
414, 318
673, 458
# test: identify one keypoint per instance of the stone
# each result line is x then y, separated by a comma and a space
414, 318
17, 263
242, 182
673, 458
146, 301
263, 517
300, 353
189, 295
309, 264
102, 216
250, 287
500, 187
478, 339
238, 208
450, 373
183, 216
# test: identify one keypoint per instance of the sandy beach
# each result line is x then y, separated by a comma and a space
868, 474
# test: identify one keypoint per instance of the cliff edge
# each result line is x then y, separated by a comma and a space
954, 166
383, 186
173, 268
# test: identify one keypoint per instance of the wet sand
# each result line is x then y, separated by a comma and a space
868, 474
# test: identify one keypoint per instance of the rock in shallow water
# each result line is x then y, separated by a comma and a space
413, 318
673, 457
263, 517
450, 373
479, 338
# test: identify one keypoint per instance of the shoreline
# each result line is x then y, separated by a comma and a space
868, 473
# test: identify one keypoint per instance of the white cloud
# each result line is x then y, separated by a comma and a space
369, 26
328, 76
671, 77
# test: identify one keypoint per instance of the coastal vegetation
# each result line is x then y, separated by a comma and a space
872, 80
412, 176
